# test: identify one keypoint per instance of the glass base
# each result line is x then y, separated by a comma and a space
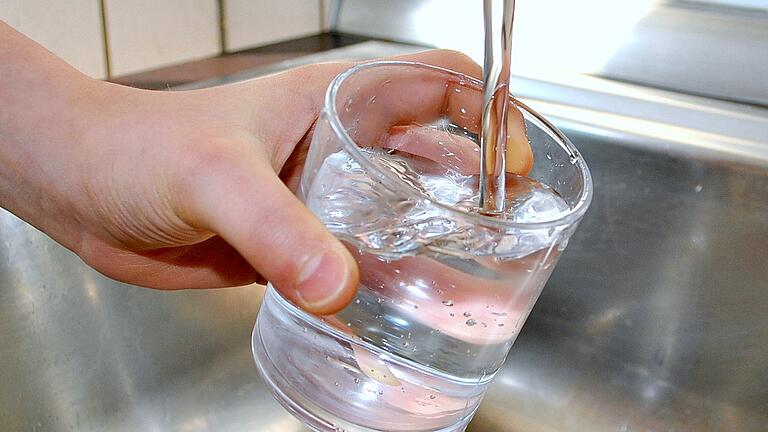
318, 379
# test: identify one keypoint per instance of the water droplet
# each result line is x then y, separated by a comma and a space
452, 314
549, 156
357, 380
379, 299
349, 324
397, 271
357, 301
699, 188
448, 302
381, 392
501, 314
457, 90
336, 383
471, 322
405, 344
304, 329
372, 100
348, 105
573, 159
463, 111
467, 314
433, 397
501, 324
415, 306
462, 82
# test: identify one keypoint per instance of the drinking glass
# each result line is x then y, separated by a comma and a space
392, 171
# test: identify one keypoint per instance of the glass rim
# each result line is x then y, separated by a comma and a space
566, 219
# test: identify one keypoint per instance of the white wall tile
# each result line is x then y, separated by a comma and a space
146, 34
70, 29
251, 23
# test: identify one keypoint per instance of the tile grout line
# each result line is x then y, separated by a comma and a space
322, 15
222, 27
105, 36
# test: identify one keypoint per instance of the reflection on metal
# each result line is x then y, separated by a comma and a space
761, 5
653, 320
717, 52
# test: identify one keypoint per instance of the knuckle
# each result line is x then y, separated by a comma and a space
453, 59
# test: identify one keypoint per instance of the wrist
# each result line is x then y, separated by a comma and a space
44, 116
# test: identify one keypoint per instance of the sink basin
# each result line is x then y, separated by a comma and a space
654, 319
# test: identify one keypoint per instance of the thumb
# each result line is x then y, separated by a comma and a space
243, 201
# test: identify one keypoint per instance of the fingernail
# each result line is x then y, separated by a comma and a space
322, 279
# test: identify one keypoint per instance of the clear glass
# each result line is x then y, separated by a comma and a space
392, 172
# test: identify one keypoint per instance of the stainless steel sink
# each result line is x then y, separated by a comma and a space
654, 320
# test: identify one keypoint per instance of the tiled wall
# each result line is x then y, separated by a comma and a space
278, 20
116, 37
71, 29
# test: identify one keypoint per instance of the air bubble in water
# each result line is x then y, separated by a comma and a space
467, 314
448, 302
471, 322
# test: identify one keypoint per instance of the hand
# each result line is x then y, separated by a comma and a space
175, 189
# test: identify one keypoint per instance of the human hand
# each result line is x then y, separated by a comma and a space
185, 189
